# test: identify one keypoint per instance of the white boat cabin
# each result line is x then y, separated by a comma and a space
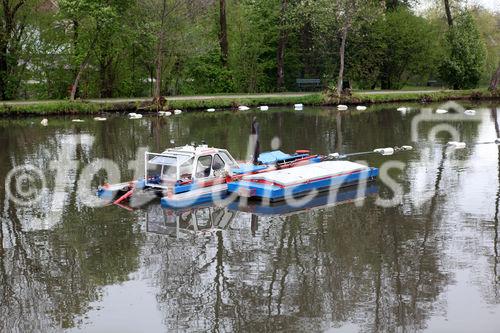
187, 164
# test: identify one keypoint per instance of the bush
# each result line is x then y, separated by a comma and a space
465, 60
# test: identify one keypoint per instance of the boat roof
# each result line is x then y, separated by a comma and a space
192, 150
307, 173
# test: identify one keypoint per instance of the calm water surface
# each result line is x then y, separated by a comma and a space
428, 263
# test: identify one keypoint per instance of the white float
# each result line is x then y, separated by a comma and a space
243, 108
211, 110
361, 108
44, 122
441, 111
177, 111
100, 119
264, 108
470, 112
134, 115
342, 107
77, 121
457, 145
298, 107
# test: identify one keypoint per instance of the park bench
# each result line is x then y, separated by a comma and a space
308, 84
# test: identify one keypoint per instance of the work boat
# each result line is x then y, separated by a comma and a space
302, 180
195, 174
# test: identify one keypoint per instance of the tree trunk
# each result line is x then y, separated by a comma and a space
305, 44
4, 70
224, 44
159, 62
495, 79
283, 37
8, 38
74, 87
342, 56
280, 82
1, 239
391, 5
106, 77
159, 57
447, 9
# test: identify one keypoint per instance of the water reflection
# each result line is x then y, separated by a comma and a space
253, 267
180, 223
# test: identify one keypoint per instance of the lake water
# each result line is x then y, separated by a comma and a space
428, 262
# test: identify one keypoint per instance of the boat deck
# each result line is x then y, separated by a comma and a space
279, 184
307, 173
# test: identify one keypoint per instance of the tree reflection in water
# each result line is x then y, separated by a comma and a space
49, 277
303, 271
221, 269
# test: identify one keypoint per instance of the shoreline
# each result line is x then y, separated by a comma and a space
196, 103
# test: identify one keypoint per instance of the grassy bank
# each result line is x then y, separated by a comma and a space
200, 104
421, 97
86, 107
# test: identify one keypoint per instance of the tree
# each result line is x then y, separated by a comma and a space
90, 21
349, 14
167, 17
447, 10
409, 47
487, 23
495, 79
13, 21
463, 65
282, 40
223, 42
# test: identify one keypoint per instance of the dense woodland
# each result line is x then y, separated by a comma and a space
117, 48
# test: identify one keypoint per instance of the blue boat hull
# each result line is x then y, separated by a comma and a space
324, 199
276, 193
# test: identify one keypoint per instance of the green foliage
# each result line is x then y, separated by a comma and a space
206, 75
253, 45
409, 47
387, 45
462, 67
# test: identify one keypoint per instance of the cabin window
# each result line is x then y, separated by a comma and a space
169, 172
218, 163
186, 168
204, 166
228, 159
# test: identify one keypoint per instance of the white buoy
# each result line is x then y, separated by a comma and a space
211, 110
470, 112
161, 113
134, 115
298, 107
384, 151
168, 113
100, 119
441, 111
456, 144
77, 121
44, 122
177, 111
403, 109
264, 108
361, 108
342, 107
243, 108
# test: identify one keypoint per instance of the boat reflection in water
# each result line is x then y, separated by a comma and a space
182, 223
